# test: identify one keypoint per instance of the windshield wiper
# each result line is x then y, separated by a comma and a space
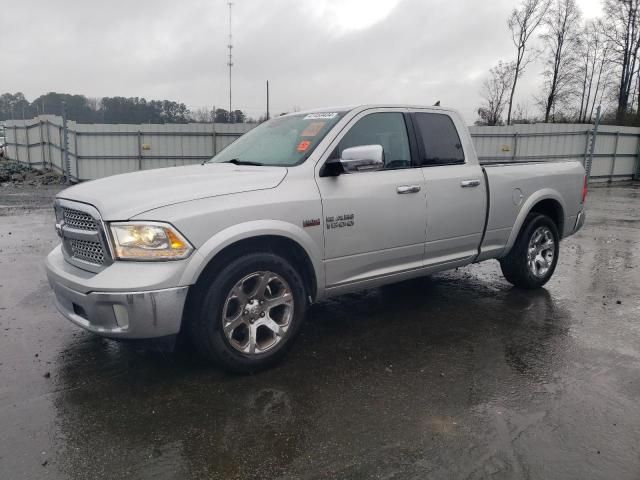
236, 161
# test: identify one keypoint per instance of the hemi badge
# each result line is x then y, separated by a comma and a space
314, 222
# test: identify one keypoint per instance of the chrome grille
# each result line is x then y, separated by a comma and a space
78, 220
84, 243
91, 252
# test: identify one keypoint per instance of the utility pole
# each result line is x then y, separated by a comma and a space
65, 145
267, 99
592, 147
230, 62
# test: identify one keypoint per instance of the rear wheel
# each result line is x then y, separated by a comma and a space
534, 256
249, 315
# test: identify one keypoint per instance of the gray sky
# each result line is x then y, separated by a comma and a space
314, 52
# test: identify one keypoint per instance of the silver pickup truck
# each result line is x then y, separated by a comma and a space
303, 207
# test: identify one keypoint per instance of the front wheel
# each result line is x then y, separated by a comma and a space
250, 313
534, 256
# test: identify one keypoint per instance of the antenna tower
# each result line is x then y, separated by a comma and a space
230, 62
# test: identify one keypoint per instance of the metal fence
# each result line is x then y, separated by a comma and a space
613, 151
100, 150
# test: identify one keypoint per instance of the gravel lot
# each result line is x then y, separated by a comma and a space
453, 376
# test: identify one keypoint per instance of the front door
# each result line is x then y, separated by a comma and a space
374, 222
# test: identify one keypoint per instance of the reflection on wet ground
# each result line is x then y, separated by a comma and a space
453, 376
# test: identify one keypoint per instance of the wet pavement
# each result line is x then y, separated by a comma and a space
453, 376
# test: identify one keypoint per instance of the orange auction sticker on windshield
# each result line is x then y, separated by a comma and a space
303, 145
312, 129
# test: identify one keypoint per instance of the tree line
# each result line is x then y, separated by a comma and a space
111, 109
585, 64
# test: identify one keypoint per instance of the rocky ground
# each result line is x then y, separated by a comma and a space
14, 173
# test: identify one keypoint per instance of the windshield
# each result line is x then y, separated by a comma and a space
282, 141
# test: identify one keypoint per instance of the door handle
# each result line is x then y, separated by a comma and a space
402, 189
470, 183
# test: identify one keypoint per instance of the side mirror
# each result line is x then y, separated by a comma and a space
364, 158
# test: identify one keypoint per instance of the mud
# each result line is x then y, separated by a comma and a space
453, 376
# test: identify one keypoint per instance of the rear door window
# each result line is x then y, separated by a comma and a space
438, 139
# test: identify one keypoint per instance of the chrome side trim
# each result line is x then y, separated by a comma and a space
579, 221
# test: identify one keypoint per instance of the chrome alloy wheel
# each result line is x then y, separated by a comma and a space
257, 312
541, 252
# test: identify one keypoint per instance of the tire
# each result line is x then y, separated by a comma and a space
524, 271
250, 342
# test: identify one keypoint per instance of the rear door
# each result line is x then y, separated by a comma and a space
374, 222
456, 194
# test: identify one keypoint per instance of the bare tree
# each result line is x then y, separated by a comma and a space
523, 22
588, 50
203, 115
622, 20
593, 69
521, 113
603, 65
494, 93
560, 39
94, 103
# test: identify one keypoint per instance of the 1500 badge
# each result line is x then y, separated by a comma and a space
340, 221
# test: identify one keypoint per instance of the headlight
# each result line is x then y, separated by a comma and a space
148, 241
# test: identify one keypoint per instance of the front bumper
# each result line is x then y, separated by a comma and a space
135, 312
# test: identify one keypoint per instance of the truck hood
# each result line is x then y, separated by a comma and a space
121, 197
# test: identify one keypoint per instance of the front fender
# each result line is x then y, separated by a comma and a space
527, 206
251, 229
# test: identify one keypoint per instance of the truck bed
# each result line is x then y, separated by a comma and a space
515, 187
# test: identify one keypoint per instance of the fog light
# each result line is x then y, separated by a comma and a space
78, 310
122, 315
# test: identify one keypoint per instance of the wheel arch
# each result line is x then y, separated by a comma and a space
281, 238
548, 202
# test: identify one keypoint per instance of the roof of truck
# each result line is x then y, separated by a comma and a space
347, 108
